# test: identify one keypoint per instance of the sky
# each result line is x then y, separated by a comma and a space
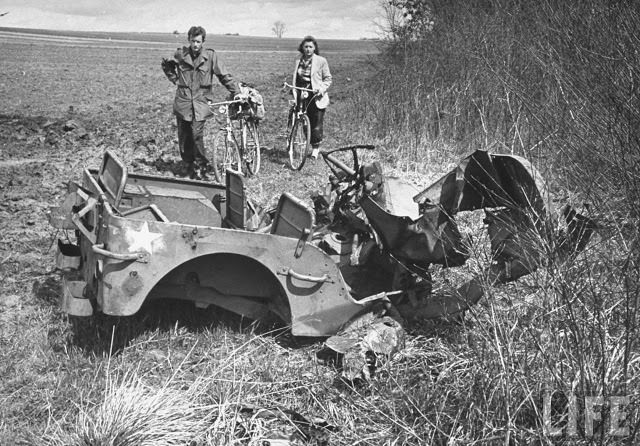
340, 19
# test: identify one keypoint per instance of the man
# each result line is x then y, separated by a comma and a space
192, 70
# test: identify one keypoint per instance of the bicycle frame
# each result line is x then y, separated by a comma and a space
224, 110
232, 152
302, 101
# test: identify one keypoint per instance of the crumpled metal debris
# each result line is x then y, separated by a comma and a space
366, 343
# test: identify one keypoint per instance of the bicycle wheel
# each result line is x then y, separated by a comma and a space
299, 142
290, 120
291, 117
251, 146
226, 155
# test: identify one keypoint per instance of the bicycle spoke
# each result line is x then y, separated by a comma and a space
251, 149
225, 155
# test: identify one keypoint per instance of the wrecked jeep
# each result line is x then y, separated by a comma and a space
141, 237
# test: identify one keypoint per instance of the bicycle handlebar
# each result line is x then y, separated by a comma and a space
235, 101
299, 88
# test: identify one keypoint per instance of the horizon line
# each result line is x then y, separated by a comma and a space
169, 33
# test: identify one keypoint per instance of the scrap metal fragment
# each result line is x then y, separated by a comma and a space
366, 343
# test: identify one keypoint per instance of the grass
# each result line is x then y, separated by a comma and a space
176, 375
132, 413
480, 79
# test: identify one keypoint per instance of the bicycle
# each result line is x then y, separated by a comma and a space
299, 127
227, 154
249, 129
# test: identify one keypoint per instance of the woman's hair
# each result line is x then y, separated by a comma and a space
309, 39
197, 31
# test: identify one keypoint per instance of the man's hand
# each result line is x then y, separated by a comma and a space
240, 97
169, 67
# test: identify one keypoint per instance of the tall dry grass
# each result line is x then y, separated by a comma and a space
170, 395
133, 413
557, 83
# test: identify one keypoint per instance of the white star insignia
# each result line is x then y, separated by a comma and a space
142, 239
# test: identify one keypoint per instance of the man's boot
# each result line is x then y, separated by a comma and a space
190, 170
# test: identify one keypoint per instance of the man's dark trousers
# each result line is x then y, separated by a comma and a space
191, 142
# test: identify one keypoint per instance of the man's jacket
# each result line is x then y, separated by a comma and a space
194, 79
320, 79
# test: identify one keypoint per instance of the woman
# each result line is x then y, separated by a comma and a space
312, 71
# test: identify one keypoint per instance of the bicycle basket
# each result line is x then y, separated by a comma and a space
258, 111
254, 107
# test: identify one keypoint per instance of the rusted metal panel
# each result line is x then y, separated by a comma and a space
317, 307
484, 180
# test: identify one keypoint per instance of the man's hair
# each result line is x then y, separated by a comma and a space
196, 31
309, 39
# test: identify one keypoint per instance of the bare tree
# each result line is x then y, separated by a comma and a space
279, 29
392, 21
405, 20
